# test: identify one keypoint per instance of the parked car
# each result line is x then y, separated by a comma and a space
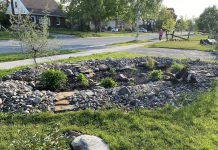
143, 30
114, 30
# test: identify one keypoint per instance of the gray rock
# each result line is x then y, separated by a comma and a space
37, 100
122, 77
103, 67
69, 72
169, 94
1, 101
88, 142
124, 91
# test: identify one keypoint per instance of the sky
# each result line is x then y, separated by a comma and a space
189, 8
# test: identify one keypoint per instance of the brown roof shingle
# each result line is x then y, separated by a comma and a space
42, 6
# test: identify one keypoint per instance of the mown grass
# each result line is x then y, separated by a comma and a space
5, 35
21, 56
129, 43
4, 72
90, 34
192, 127
114, 55
192, 44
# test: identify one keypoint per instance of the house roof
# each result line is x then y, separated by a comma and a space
40, 7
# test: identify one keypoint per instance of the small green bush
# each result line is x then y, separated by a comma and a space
150, 63
83, 81
53, 79
156, 75
176, 67
108, 83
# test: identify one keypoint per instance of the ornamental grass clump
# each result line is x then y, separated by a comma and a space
156, 75
150, 63
108, 83
53, 79
82, 79
176, 67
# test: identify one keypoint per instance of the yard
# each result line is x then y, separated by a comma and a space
192, 44
4, 35
21, 56
193, 126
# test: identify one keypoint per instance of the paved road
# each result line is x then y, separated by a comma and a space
69, 42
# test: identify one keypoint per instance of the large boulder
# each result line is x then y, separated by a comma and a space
88, 142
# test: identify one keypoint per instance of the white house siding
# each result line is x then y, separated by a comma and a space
19, 8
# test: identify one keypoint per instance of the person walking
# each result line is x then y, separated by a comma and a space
161, 34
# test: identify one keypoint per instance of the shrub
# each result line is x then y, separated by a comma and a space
176, 67
108, 83
156, 75
53, 79
83, 81
150, 63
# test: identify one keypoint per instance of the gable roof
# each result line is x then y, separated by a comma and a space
40, 6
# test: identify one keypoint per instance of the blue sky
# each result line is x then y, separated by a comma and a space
189, 8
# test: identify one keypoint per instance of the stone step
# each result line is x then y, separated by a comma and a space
64, 108
63, 95
62, 102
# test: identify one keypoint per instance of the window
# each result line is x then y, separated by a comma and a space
33, 18
58, 21
41, 20
16, 5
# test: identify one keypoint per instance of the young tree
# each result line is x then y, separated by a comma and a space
181, 24
33, 37
2, 12
166, 20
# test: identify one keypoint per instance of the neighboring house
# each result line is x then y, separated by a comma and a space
38, 9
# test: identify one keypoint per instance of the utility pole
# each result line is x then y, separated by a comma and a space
137, 19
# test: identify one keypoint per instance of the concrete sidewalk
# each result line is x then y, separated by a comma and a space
9, 65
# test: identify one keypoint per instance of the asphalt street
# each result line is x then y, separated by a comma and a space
70, 42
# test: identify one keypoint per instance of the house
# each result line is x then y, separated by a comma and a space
38, 9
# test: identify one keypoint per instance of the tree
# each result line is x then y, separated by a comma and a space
165, 20
181, 24
2, 12
33, 37
89, 10
208, 20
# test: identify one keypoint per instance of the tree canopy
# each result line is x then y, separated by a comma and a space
208, 20
99, 11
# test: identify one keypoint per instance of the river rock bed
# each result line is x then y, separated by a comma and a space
19, 93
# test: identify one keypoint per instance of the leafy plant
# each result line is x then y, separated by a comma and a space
28, 140
108, 83
156, 75
81, 78
176, 67
53, 79
150, 63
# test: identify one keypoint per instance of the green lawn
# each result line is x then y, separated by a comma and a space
192, 44
90, 34
192, 127
4, 35
129, 43
22, 56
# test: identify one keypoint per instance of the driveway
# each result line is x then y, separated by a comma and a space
70, 42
